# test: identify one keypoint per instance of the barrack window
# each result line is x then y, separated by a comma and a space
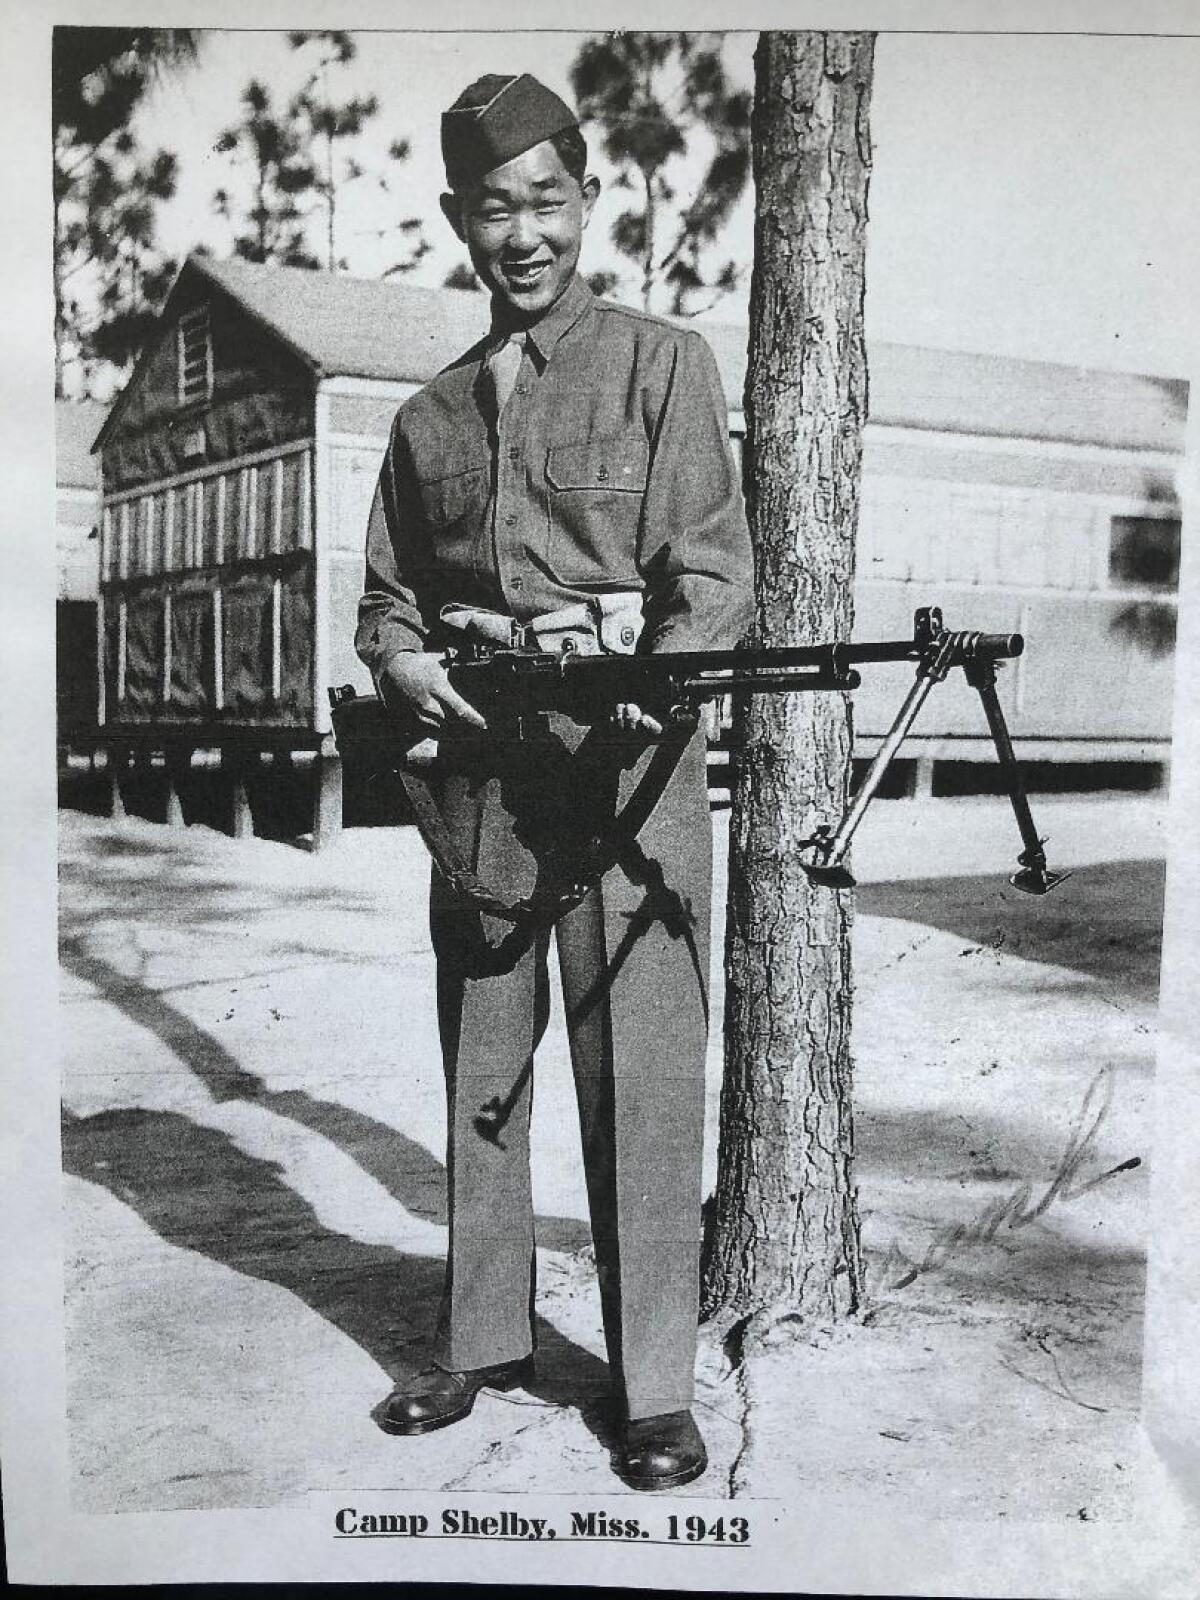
242, 514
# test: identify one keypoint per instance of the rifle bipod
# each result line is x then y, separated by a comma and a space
938, 652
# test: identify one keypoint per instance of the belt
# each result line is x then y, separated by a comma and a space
604, 624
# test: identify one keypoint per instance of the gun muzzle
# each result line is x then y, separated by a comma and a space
993, 646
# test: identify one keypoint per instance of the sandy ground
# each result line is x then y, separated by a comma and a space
253, 1142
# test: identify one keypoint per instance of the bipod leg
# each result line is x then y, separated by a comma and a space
1034, 877
830, 869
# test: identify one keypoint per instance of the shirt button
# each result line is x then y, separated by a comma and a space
514, 453
510, 520
518, 584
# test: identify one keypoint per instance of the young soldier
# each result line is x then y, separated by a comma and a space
572, 472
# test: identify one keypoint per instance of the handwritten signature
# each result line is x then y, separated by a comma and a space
1019, 1208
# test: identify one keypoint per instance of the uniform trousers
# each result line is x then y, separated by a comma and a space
633, 956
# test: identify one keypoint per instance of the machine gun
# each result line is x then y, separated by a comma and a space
515, 687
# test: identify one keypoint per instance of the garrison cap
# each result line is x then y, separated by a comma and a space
497, 117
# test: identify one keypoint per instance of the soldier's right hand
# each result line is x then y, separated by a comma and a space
416, 681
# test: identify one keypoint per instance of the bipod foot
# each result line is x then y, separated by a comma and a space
1034, 876
1036, 880
834, 877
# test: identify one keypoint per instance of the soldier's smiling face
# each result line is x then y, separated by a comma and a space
523, 225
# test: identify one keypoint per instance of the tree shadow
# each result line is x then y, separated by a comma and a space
1105, 921
1144, 553
1000, 1204
186, 887
402, 1166
1025, 1273
974, 1145
197, 1190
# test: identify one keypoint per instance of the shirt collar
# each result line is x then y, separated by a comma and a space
545, 333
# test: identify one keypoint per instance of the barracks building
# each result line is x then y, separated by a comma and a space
236, 469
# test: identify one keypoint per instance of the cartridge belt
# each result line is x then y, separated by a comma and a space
604, 624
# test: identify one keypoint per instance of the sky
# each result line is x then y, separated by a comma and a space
1031, 196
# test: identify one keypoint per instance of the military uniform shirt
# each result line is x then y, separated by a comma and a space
609, 468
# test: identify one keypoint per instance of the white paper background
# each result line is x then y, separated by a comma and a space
1155, 1553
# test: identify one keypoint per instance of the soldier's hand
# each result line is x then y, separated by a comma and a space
416, 681
632, 718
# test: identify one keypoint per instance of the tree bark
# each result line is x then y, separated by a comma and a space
783, 1235
330, 239
648, 242
60, 320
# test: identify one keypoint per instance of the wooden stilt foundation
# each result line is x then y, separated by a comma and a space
327, 822
115, 757
235, 764
179, 765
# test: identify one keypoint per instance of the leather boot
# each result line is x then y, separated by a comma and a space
435, 1398
661, 1452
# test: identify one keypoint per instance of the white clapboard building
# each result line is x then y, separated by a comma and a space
238, 465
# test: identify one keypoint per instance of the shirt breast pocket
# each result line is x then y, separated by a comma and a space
454, 506
594, 508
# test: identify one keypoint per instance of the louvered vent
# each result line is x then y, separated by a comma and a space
194, 345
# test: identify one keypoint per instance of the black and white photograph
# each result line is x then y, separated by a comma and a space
604, 701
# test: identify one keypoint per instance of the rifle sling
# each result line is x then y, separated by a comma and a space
603, 853
441, 846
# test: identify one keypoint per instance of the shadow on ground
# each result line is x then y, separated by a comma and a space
403, 1166
984, 1147
169, 887
200, 1192
1104, 921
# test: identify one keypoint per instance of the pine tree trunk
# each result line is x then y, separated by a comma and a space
784, 1231
330, 237
60, 317
648, 244
264, 251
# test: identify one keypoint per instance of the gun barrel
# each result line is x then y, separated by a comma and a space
887, 650
977, 646
710, 688
680, 663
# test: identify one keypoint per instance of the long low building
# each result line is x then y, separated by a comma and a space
239, 461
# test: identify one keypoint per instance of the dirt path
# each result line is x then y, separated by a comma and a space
253, 1135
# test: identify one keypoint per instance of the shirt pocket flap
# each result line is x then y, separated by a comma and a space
621, 461
448, 498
